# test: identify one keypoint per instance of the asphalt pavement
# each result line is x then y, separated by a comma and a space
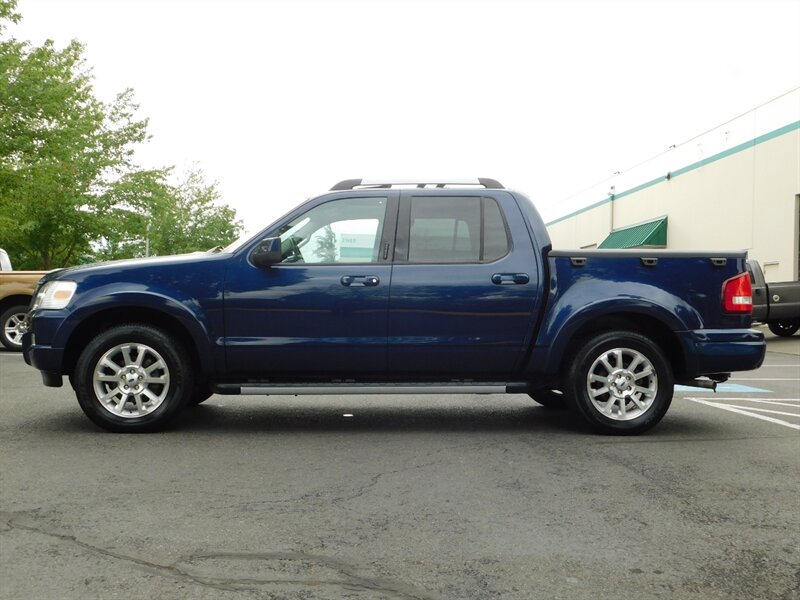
455, 497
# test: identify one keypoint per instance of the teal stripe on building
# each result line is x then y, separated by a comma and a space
683, 170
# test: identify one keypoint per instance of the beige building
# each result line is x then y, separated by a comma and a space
734, 187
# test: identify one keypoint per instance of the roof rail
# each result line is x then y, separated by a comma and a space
349, 184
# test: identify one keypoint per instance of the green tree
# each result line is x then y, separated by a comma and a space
130, 205
8, 12
326, 245
192, 219
69, 189
152, 216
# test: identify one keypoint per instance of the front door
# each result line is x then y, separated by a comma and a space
322, 311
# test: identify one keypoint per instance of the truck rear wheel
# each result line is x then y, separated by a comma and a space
784, 328
133, 378
620, 382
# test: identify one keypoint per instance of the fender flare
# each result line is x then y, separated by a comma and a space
564, 320
186, 311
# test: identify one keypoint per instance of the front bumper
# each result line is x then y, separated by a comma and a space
711, 351
47, 359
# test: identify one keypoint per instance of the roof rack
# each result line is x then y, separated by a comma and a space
350, 184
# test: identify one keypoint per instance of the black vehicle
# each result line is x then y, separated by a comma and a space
776, 304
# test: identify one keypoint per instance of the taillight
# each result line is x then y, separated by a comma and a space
737, 295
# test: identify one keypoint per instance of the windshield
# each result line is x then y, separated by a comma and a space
234, 246
285, 232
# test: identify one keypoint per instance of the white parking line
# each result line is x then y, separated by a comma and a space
764, 410
765, 379
746, 413
714, 397
781, 402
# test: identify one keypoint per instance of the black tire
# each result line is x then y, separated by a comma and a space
10, 332
552, 399
782, 328
161, 357
626, 410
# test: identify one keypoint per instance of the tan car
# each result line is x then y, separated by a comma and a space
16, 291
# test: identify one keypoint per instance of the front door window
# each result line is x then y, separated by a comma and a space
345, 231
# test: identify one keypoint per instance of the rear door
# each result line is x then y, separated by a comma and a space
464, 286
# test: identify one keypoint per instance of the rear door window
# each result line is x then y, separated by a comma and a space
456, 230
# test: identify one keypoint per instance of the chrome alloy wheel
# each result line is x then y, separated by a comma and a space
622, 384
14, 327
131, 380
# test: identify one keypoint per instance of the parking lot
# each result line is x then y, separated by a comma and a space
409, 497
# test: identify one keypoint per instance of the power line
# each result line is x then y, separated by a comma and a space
673, 147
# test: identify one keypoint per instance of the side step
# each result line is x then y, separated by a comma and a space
300, 389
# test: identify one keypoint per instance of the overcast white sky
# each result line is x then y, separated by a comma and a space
277, 101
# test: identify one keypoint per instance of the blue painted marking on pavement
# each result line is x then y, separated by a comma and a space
732, 388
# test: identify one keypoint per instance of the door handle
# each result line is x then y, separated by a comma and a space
360, 280
510, 278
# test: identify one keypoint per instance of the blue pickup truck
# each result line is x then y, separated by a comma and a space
386, 287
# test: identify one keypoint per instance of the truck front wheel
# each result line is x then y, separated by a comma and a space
13, 326
133, 378
784, 328
620, 382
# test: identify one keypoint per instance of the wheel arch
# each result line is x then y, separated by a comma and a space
13, 300
647, 325
107, 318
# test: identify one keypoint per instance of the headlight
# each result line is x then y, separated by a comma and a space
54, 295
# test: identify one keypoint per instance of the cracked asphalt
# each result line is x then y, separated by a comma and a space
410, 498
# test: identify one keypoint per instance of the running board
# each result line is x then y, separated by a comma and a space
281, 389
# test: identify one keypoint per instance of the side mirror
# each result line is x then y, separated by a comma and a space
267, 253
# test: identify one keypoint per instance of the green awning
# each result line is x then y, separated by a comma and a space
652, 234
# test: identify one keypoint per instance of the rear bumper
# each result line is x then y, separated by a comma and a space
722, 350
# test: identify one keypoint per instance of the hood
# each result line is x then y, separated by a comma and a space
80, 272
